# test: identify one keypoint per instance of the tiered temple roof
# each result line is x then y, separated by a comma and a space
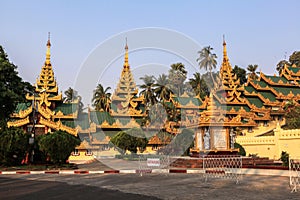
125, 102
46, 104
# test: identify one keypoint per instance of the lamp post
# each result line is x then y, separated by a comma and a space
32, 136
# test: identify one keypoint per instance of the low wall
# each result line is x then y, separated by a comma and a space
272, 146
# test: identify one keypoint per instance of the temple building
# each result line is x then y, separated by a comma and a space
45, 111
251, 114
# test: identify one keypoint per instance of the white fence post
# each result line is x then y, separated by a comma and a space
153, 163
223, 166
294, 171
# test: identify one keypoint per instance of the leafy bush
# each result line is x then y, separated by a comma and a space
58, 145
130, 140
242, 151
13, 146
284, 158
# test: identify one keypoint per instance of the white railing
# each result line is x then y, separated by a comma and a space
294, 170
153, 163
223, 166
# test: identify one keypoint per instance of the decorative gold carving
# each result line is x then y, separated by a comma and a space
58, 126
19, 122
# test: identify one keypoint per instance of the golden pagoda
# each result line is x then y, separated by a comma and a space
45, 110
125, 102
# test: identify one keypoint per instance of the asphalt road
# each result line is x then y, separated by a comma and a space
21, 188
149, 186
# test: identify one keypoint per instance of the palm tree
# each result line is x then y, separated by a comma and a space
207, 60
198, 84
71, 95
252, 72
179, 67
162, 90
148, 90
101, 98
177, 76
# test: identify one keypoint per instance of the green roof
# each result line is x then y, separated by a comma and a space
100, 116
260, 83
255, 101
66, 108
82, 120
250, 89
268, 95
185, 100
69, 123
286, 91
294, 69
22, 106
276, 79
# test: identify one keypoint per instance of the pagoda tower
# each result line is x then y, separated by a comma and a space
45, 110
125, 103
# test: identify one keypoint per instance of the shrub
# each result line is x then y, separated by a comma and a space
58, 145
284, 158
13, 146
242, 151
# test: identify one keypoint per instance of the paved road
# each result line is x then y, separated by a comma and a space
149, 186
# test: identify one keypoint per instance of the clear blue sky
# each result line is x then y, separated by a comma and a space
257, 31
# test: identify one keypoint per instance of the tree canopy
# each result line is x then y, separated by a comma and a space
130, 140
240, 73
294, 59
58, 145
207, 61
101, 98
13, 145
11, 86
252, 74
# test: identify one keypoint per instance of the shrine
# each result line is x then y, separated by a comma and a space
231, 113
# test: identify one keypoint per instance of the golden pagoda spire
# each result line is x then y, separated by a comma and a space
225, 58
126, 64
48, 50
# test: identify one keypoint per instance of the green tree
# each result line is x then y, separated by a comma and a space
199, 85
13, 146
177, 76
72, 95
280, 65
292, 116
242, 151
101, 98
295, 58
209, 81
11, 87
252, 74
148, 90
240, 73
58, 145
162, 91
207, 61
130, 140
284, 158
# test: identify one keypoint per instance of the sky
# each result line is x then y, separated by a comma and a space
261, 32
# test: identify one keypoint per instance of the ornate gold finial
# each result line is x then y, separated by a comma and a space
225, 58
126, 64
48, 50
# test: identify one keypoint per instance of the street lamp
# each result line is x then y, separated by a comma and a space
32, 136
